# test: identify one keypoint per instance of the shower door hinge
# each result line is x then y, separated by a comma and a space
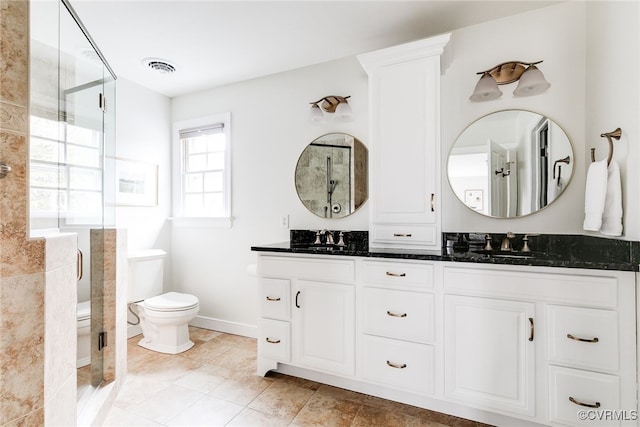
102, 103
102, 340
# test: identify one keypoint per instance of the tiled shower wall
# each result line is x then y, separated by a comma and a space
22, 261
38, 276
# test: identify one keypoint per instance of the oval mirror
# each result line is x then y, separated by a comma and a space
510, 164
332, 174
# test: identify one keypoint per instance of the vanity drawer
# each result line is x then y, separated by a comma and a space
571, 389
583, 337
398, 364
275, 295
318, 269
398, 275
274, 340
561, 287
405, 234
399, 314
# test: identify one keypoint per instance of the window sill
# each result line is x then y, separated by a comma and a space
201, 222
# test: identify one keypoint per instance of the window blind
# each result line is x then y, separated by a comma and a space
201, 131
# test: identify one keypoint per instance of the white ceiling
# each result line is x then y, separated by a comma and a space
214, 43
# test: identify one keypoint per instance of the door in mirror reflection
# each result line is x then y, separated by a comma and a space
510, 163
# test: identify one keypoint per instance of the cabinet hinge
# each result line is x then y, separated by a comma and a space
102, 340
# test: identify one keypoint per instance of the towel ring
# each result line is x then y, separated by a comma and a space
616, 134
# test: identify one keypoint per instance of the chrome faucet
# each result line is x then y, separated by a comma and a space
506, 242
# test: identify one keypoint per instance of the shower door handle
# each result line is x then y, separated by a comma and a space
79, 271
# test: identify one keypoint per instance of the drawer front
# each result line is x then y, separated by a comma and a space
571, 389
275, 295
405, 234
571, 289
583, 337
398, 364
274, 340
397, 275
399, 314
322, 270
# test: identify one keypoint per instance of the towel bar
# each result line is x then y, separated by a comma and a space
614, 134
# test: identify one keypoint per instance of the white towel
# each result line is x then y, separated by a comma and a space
612, 214
595, 195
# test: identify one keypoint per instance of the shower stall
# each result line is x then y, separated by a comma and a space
72, 150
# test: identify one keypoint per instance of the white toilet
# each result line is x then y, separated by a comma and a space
84, 334
164, 317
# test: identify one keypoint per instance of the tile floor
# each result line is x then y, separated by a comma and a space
214, 384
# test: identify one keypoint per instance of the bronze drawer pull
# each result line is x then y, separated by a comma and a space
401, 234
396, 314
582, 339
393, 365
588, 405
395, 274
273, 299
531, 329
270, 341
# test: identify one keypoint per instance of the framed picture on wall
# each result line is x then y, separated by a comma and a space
136, 183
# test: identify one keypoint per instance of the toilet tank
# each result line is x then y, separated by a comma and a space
145, 274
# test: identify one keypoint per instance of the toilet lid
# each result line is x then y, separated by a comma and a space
84, 310
171, 301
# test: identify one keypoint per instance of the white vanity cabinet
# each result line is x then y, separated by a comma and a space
307, 314
404, 98
544, 343
506, 345
397, 307
490, 353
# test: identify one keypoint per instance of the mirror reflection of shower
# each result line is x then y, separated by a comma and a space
331, 208
331, 175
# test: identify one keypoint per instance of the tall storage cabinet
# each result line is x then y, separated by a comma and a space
404, 96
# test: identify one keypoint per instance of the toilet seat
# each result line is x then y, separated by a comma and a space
84, 310
171, 301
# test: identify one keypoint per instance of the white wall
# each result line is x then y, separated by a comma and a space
270, 127
613, 95
143, 132
555, 35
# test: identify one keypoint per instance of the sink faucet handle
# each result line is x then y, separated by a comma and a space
318, 241
525, 240
487, 239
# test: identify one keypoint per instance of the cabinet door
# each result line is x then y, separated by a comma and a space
489, 353
324, 326
405, 112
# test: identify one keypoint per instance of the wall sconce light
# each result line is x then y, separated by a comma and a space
337, 106
529, 77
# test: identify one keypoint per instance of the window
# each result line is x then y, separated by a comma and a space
203, 153
65, 172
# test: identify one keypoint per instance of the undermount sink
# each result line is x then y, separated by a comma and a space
315, 248
508, 254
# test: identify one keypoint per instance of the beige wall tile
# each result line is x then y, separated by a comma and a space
14, 51
61, 250
60, 330
21, 345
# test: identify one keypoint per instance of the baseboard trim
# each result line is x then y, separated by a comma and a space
225, 326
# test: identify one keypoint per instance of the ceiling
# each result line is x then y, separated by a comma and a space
214, 43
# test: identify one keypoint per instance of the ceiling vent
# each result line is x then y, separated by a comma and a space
160, 65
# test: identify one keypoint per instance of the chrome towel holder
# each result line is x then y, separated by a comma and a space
616, 134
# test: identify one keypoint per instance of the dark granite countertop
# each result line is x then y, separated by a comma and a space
569, 251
